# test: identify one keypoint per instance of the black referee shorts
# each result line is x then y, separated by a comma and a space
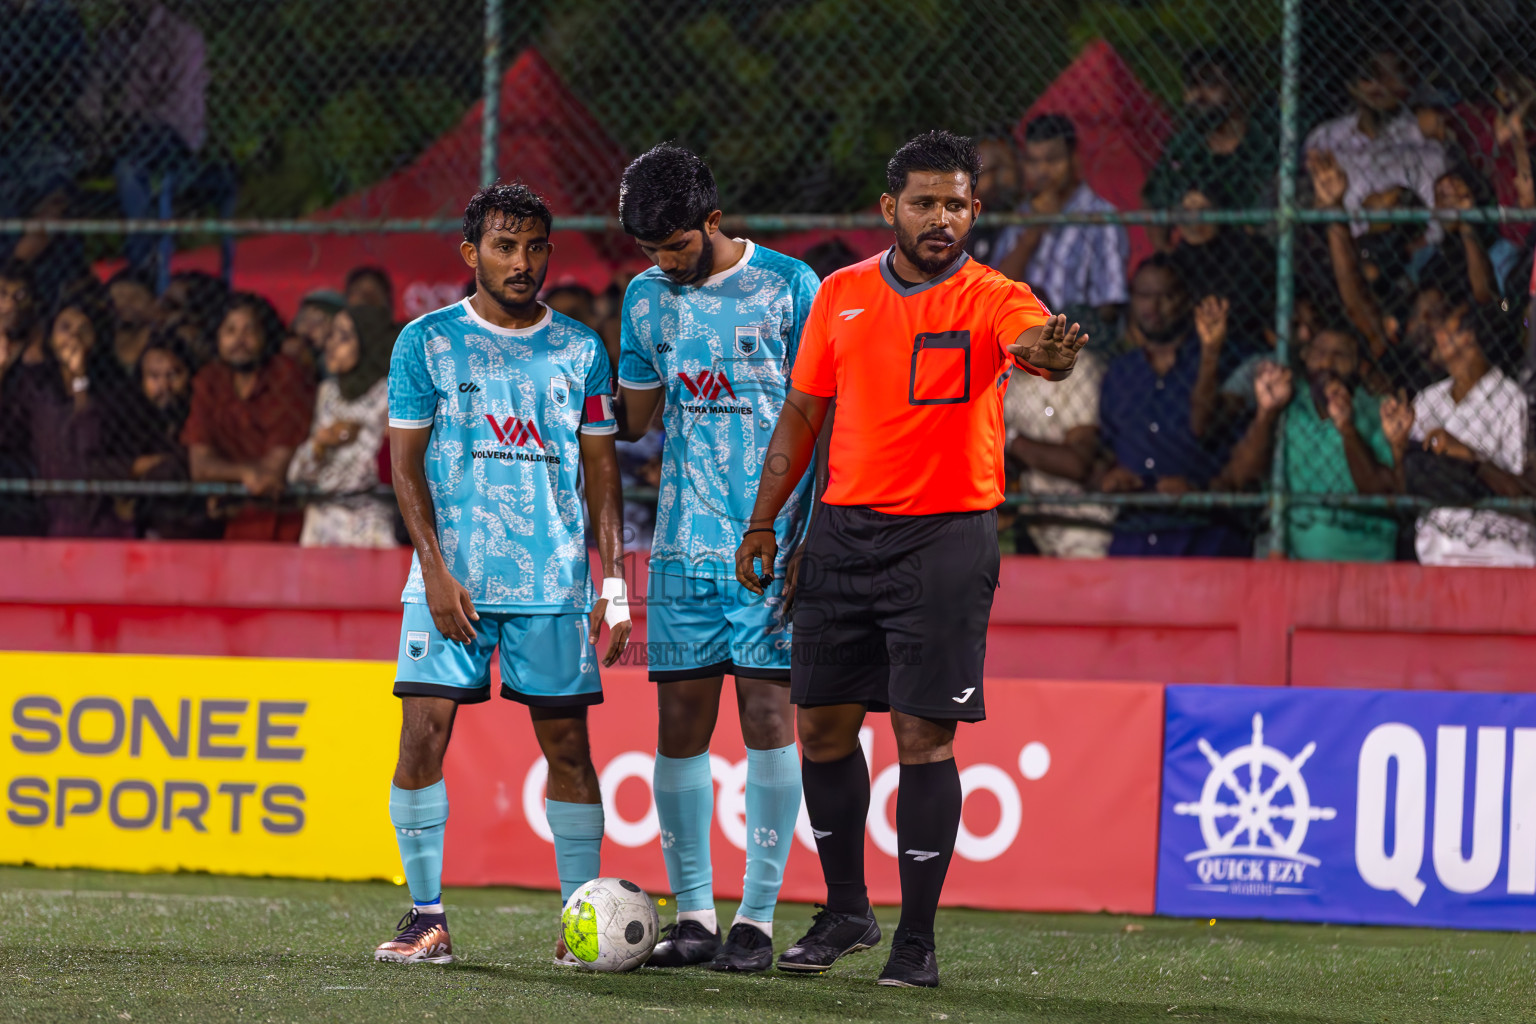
891, 611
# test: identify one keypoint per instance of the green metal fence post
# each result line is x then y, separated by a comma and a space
490, 125
1285, 251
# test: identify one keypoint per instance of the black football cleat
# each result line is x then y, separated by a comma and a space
912, 965
832, 936
746, 949
684, 943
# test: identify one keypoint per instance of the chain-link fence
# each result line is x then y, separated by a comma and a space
1299, 234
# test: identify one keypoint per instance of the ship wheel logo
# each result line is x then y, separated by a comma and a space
1272, 810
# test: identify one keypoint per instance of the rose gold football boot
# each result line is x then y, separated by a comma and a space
423, 939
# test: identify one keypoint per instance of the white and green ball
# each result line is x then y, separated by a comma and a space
610, 924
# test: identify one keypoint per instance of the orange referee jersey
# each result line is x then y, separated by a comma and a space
918, 374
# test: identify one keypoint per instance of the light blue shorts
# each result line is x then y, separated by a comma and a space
546, 660
697, 627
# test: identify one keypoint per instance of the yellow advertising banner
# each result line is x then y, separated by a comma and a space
249, 766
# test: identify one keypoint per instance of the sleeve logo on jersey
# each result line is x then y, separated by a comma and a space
560, 391
749, 340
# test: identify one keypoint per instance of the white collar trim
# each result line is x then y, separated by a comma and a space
508, 332
746, 257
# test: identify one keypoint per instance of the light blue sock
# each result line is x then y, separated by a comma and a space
578, 831
419, 817
773, 803
685, 804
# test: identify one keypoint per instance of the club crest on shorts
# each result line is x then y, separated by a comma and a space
560, 391
416, 644
748, 340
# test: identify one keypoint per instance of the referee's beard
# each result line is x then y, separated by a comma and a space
933, 266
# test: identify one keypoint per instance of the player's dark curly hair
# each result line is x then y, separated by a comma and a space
515, 202
937, 150
666, 189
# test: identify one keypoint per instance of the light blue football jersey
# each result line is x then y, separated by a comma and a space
722, 350
506, 408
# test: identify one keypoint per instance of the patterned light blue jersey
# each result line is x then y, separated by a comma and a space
722, 349
506, 408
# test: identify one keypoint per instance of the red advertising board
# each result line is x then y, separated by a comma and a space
1061, 799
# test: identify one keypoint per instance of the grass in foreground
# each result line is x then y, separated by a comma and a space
79, 945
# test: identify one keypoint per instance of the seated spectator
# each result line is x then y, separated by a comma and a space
154, 440
370, 286
998, 189
1157, 415
1080, 266
1378, 145
1229, 263
1471, 432
199, 298
22, 351
1221, 138
1333, 444
1498, 135
145, 99
21, 329
311, 326
73, 405
134, 316
1472, 256
1053, 434
250, 410
350, 423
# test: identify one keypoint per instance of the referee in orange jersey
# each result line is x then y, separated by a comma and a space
895, 589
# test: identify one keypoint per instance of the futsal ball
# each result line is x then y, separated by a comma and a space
610, 924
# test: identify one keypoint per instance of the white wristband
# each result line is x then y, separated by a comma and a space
614, 593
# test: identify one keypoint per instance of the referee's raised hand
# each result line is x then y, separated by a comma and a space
1052, 346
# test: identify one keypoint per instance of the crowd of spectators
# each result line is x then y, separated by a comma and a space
1407, 371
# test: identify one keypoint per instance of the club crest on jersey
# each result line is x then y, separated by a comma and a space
749, 340
560, 391
709, 385
416, 644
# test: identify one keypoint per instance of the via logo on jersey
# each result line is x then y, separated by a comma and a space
706, 387
514, 432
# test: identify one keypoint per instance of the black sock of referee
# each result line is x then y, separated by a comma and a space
837, 802
927, 821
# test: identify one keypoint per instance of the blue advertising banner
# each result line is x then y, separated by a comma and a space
1350, 806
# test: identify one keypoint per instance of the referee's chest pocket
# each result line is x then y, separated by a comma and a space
941, 369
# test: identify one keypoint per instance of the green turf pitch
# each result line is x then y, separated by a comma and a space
97, 946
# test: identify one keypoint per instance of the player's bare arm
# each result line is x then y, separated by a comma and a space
636, 409
453, 613
789, 453
1052, 346
605, 511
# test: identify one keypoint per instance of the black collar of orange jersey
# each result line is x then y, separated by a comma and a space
905, 290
